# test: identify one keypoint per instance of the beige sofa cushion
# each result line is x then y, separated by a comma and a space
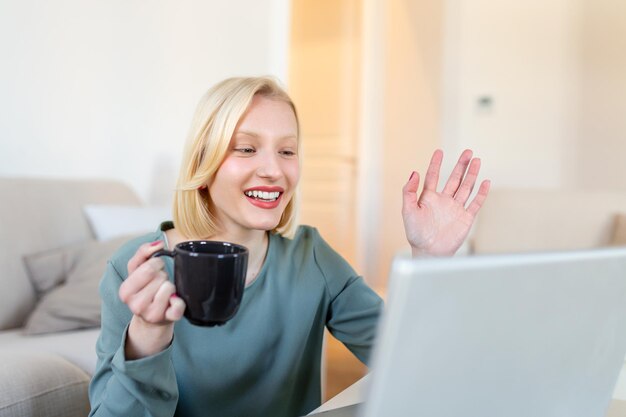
37, 215
41, 385
66, 282
519, 220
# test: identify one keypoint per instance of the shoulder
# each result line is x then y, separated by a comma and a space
307, 241
117, 266
309, 250
119, 260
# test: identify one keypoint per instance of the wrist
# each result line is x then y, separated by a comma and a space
420, 253
424, 253
146, 339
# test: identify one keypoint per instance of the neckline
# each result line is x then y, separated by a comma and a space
262, 272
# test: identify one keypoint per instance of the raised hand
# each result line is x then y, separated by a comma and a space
437, 223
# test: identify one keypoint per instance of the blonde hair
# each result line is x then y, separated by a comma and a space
213, 125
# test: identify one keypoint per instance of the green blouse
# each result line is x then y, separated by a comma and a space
264, 362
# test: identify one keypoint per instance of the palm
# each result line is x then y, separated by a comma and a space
437, 223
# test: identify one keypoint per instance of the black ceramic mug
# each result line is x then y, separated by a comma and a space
210, 278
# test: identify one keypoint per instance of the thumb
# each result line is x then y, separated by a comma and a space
409, 192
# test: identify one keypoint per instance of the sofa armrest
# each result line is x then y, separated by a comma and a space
41, 384
42, 214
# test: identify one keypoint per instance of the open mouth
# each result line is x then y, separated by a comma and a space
267, 196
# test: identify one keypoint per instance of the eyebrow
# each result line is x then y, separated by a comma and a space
256, 135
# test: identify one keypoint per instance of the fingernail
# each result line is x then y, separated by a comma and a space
155, 243
412, 174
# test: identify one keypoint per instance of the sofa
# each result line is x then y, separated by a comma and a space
522, 220
44, 373
46, 360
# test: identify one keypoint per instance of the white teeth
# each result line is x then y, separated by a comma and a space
263, 195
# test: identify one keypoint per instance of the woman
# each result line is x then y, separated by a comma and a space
238, 183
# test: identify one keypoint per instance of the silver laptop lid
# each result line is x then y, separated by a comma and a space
508, 335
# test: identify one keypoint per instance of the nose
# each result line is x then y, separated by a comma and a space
269, 166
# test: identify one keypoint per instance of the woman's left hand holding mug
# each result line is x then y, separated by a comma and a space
152, 299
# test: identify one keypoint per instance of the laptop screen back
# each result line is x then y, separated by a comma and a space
507, 335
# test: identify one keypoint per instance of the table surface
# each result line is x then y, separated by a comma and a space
353, 395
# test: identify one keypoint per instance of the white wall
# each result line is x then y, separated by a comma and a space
107, 89
555, 71
525, 56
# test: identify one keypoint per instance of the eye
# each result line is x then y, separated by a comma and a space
287, 152
245, 150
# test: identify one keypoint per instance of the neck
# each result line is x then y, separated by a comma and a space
255, 240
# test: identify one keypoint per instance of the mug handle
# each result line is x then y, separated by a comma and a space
164, 252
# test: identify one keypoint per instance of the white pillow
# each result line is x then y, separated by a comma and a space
111, 221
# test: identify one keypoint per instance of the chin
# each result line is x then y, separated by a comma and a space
263, 220
267, 226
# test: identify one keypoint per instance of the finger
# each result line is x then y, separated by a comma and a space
432, 175
478, 201
140, 302
144, 253
140, 278
467, 186
156, 310
176, 309
409, 192
457, 173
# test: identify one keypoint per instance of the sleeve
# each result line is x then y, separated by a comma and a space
353, 317
143, 387
354, 308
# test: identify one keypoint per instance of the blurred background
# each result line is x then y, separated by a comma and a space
537, 89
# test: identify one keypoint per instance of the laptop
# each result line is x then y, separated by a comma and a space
541, 334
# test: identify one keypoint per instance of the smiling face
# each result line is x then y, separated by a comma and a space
260, 171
